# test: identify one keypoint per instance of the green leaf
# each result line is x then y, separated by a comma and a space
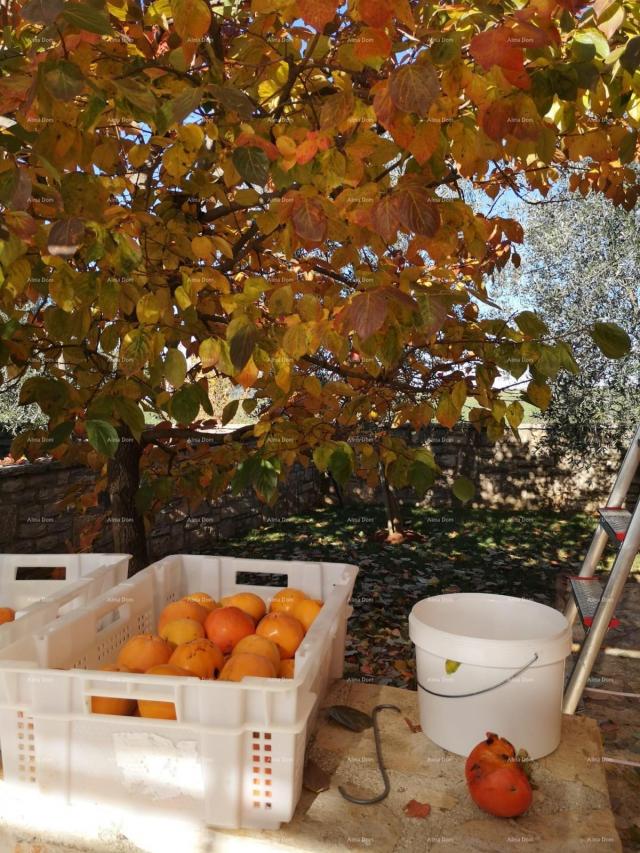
421, 477
232, 99
60, 434
252, 164
531, 325
185, 404
611, 340
566, 357
463, 489
92, 111
62, 79
450, 666
87, 18
341, 466
175, 367
322, 454
229, 411
103, 437
138, 94
242, 335
630, 59
131, 414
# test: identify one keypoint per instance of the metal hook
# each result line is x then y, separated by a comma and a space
387, 785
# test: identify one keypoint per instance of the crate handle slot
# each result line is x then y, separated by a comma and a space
41, 573
108, 618
261, 579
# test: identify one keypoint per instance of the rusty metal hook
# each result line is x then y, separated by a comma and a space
385, 778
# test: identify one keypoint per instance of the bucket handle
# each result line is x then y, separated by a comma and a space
484, 689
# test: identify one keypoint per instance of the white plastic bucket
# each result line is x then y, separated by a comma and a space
511, 653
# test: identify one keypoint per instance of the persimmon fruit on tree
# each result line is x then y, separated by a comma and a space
275, 193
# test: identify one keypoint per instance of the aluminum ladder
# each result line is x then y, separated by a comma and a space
596, 604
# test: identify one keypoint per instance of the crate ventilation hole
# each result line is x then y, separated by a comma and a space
261, 769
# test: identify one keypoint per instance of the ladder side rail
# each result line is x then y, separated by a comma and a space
612, 592
626, 474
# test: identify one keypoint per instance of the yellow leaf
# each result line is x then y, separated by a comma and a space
223, 246
182, 298
191, 18
191, 136
138, 155
209, 352
148, 309
202, 247
295, 340
283, 375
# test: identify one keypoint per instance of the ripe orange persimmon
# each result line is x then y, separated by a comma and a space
488, 755
143, 651
108, 705
286, 668
283, 601
7, 615
182, 610
182, 631
259, 646
239, 666
285, 631
247, 601
203, 599
162, 710
305, 611
226, 626
201, 657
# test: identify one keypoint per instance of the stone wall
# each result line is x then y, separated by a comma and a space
32, 522
507, 476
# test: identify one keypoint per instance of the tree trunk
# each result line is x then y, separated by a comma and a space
127, 524
391, 505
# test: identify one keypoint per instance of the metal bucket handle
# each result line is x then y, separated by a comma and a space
485, 689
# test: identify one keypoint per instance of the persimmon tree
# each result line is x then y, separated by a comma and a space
272, 192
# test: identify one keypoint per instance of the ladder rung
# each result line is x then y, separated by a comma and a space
615, 521
588, 593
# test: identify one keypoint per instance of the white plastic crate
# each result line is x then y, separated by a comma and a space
235, 754
38, 600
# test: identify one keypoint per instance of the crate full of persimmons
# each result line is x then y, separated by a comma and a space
189, 689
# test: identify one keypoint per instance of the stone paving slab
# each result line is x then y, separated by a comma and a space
570, 811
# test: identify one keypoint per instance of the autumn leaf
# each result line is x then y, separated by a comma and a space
318, 13
252, 164
418, 211
309, 219
497, 46
65, 237
62, 79
385, 217
191, 18
365, 314
372, 43
416, 809
42, 11
413, 88
376, 13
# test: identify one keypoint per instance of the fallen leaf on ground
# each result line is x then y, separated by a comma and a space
415, 809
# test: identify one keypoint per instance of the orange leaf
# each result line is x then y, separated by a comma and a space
416, 809
376, 13
317, 13
306, 151
191, 18
372, 42
413, 88
425, 141
497, 46
309, 219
